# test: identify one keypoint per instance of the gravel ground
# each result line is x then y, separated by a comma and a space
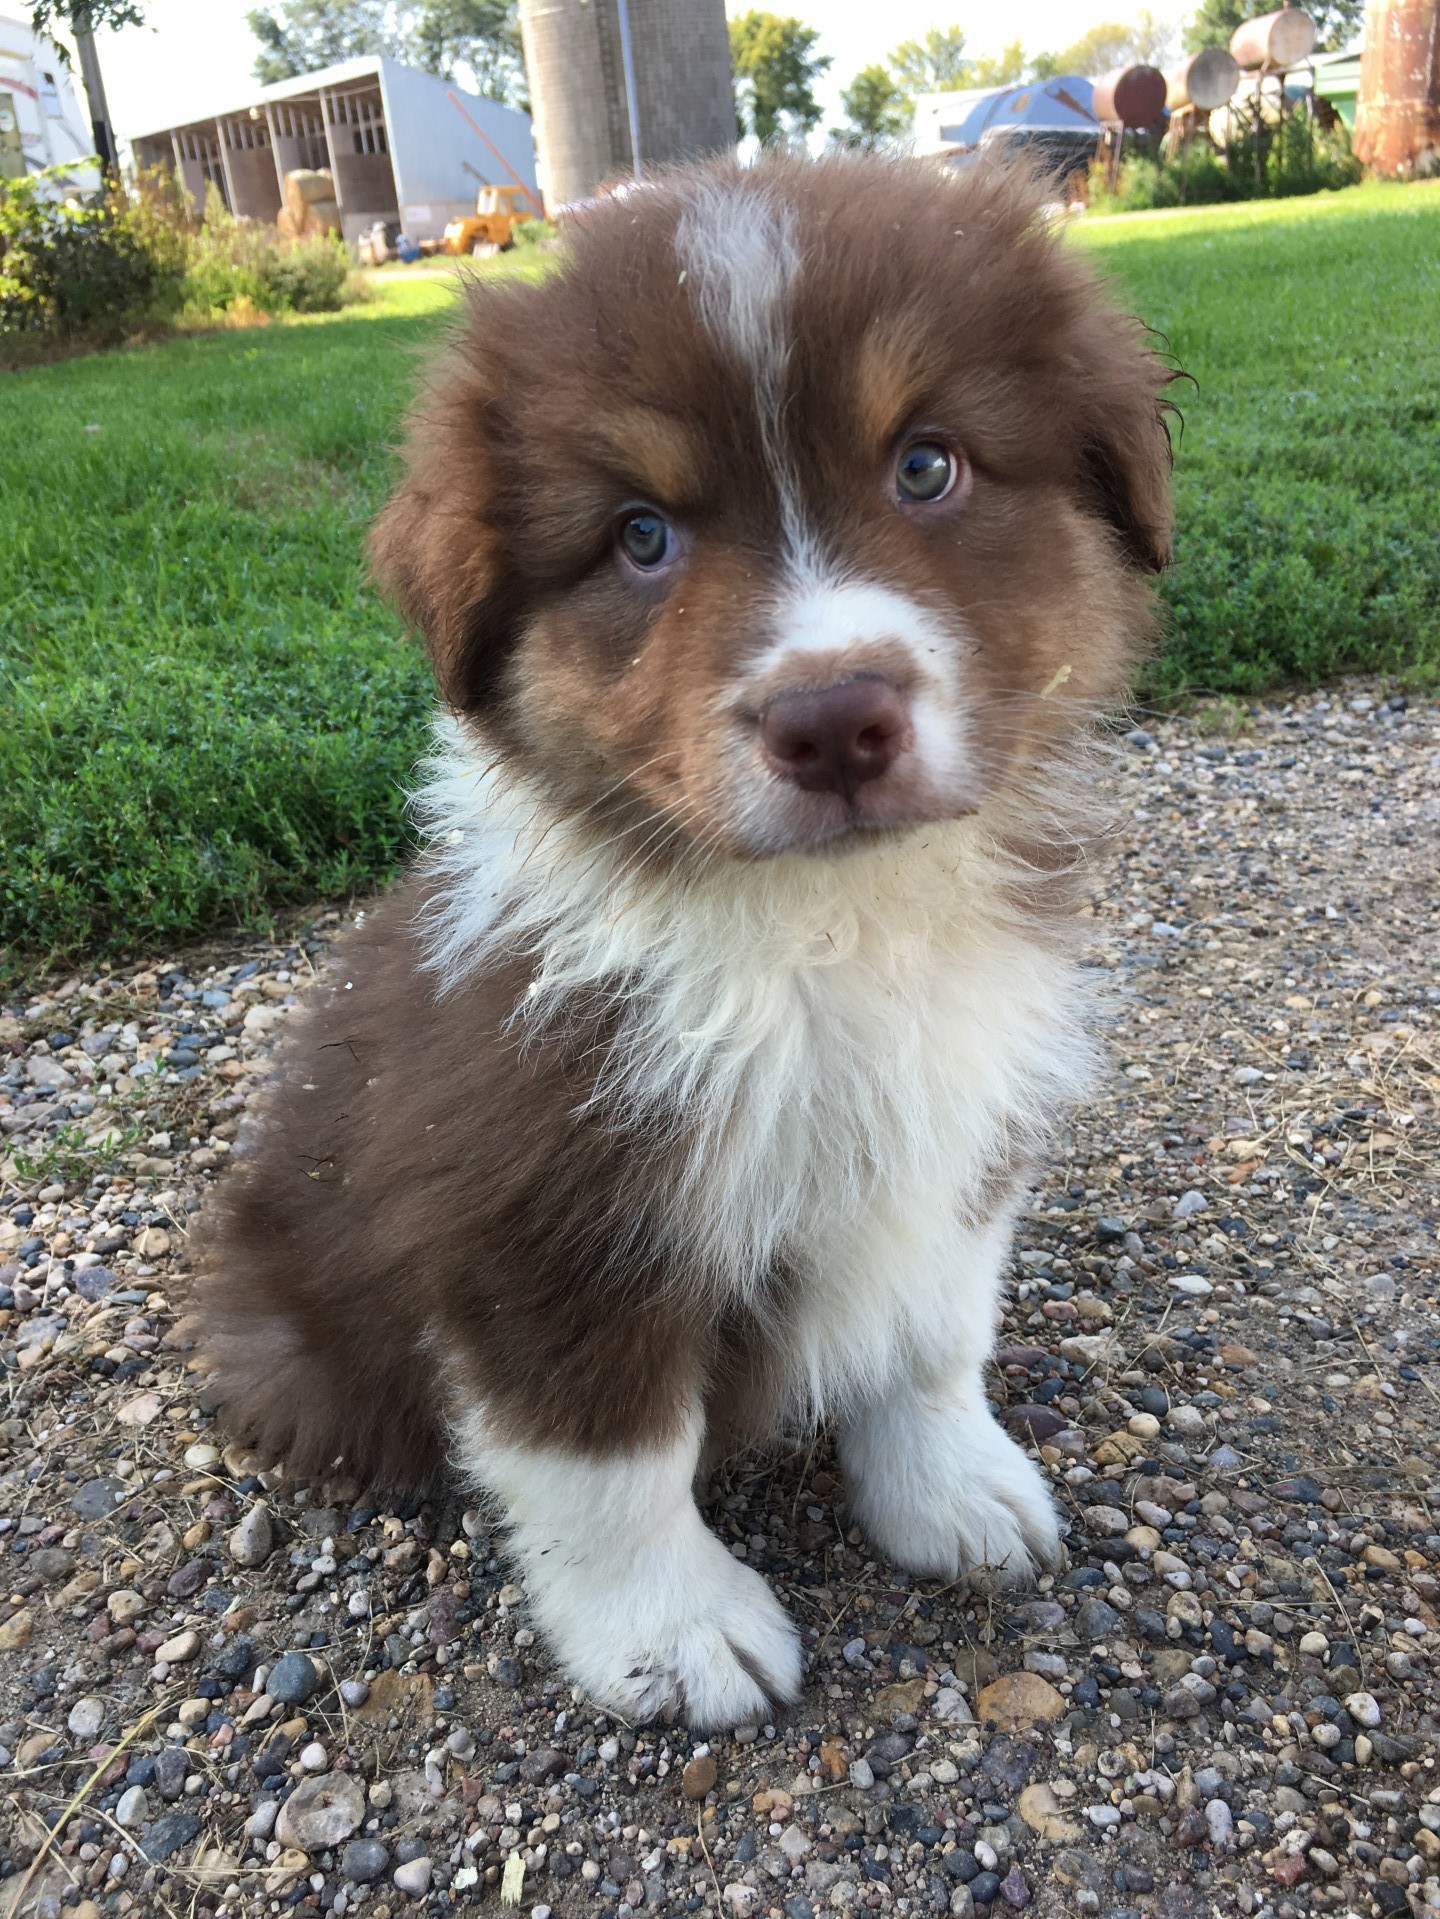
223, 1694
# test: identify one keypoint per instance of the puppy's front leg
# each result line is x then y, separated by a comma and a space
934, 1481
639, 1600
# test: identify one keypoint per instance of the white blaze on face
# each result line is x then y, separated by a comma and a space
740, 261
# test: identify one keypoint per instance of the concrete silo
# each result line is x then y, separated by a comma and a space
683, 104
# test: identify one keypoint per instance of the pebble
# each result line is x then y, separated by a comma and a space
292, 1679
413, 1877
1364, 1709
363, 1860
1171, 1365
321, 1813
86, 1717
132, 1808
253, 1540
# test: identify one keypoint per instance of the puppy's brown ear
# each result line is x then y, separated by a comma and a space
1125, 456
438, 557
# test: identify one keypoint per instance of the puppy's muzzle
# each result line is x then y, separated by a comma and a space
836, 738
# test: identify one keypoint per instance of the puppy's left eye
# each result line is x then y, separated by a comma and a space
647, 541
926, 472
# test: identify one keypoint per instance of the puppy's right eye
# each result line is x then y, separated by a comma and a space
647, 541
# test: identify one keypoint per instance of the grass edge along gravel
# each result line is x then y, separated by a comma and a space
211, 716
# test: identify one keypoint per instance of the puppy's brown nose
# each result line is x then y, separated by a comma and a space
833, 740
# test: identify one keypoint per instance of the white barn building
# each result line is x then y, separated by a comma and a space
397, 146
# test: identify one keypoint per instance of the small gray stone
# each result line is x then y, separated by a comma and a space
94, 1282
87, 1716
169, 1834
172, 1763
354, 1692
99, 1498
413, 1877
1221, 1824
363, 1860
133, 1809
321, 1813
292, 1679
261, 1822
1364, 1709
862, 1776
1095, 1619
253, 1540
1189, 1204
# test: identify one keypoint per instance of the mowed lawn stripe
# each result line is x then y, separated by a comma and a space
210, 714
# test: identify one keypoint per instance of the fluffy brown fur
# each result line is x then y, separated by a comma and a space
429, 1207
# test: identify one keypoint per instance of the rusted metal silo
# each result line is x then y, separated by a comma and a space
1397, 108
683, 103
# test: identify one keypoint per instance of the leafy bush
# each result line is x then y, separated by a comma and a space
308, 276
532, 233
238, 266
125, 262
1297, 157
96, 270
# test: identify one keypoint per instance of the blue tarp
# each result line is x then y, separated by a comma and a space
1061, 105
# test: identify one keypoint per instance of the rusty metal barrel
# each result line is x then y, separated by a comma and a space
1207, 80
1397, 114
1280, 39
1135, 96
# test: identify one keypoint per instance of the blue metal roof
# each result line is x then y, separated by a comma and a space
1061, 105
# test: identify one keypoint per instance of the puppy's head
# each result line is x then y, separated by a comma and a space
798, 504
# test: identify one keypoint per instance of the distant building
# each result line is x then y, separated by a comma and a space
397, 147
684, 102
1053, 117
42, 121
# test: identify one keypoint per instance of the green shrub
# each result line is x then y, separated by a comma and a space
1296, 157
307, 276
95, 270
532, 233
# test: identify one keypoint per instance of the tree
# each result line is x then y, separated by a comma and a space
936, 64
83, 17
1148, 43
302, 35
1000, 69
481, 35
1337, 22
876, 109
776, 67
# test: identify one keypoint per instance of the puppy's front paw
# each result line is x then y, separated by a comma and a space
942, 1491
685, 1633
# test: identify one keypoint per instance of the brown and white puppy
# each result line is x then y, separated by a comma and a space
774, 554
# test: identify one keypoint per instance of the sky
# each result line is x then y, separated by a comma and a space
195, 56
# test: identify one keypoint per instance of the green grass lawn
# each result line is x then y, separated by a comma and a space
208, 713
1308, 473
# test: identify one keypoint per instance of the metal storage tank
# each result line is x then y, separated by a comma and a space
683, 103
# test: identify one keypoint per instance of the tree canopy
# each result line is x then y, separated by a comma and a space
86, 16
297, 36
1337, 22
1148, 42
876, 111
776, 67
936, 64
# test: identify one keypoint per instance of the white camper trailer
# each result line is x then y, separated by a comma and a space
42, 121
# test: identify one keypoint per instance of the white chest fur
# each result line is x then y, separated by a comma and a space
842, 1051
